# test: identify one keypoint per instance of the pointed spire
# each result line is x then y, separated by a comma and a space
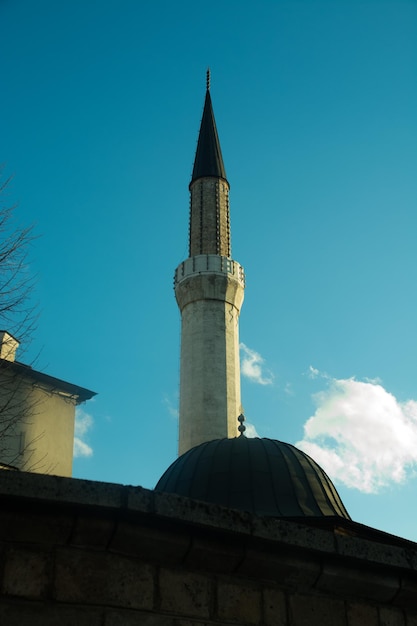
208, 159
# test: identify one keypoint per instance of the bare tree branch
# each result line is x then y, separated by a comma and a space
18, 316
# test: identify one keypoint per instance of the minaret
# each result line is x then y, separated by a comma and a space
209, 288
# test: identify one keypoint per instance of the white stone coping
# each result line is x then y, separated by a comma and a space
209, 264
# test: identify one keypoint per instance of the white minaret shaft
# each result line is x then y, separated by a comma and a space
209, 288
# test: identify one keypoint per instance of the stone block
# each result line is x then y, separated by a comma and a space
150, 543
26, 573
306, 610
391, 617
407, 596
362, 615
89, 577
274, 607
186, 594
33, 613
239, 602
374, 585
41, 527
92, 531
292, 572
186, 622
411, 619
214, 554
136, 618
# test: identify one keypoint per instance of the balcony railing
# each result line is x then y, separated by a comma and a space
209, 264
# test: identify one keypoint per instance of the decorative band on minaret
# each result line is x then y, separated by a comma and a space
209, 288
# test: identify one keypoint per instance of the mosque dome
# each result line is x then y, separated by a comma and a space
262, 476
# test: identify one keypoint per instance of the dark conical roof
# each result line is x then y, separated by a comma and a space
262, 476
208, 158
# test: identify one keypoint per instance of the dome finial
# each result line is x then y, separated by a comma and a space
208, 79
241, 428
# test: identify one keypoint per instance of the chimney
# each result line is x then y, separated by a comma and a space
8, 346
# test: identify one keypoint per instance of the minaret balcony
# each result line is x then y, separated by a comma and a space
209, 264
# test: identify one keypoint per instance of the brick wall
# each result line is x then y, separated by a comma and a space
94, 554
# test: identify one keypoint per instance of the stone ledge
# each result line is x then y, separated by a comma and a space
180, 508
58, 489
117, 517
373, 551
293, 534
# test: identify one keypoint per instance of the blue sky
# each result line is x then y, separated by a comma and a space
315, 104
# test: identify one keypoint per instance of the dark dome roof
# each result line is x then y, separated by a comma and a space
261, 476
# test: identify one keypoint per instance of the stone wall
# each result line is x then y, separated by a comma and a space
93, 554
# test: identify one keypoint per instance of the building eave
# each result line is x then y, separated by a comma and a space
80, 394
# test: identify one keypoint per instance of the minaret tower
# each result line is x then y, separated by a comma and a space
209, 288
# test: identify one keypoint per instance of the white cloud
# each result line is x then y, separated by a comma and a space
83, 423
312, 372
81, 448
252, 366
288, 389
172, 410
362, 435
250, 431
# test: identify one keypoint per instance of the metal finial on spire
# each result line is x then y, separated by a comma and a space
241, 428
208, 79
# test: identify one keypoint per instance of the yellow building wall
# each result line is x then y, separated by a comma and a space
36, 426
